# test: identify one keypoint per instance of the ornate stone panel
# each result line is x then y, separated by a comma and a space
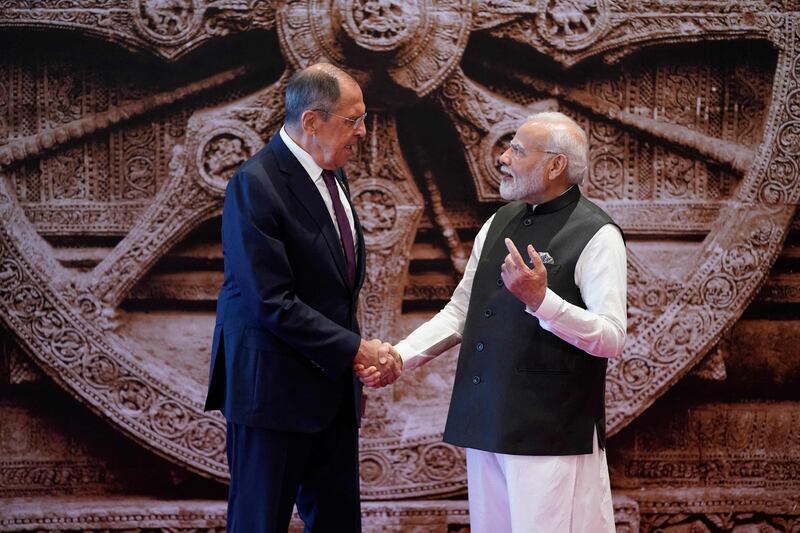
692, 157
169, 28
140, 515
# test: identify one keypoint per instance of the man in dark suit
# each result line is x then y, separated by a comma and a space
287, 337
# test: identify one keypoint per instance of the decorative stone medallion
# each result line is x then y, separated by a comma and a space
381, 25
571, 24
222, 149
167, 21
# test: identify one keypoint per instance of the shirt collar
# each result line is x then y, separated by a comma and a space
305, 159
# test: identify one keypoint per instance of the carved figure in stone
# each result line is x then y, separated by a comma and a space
286, 333
528, 399
167, 17
573, 13
223, 155
380, 19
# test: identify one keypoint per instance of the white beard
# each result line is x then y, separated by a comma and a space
519, 189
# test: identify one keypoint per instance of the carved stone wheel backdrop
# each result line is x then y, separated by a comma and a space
709, 187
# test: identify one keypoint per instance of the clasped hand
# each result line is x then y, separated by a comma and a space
377, 363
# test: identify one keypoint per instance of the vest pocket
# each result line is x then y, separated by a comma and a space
552, 272
547, 353
541, 362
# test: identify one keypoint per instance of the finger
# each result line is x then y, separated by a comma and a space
514, 253
366, 372
370, 383
373, 379
506, 279
384, 352
535, 259
509, 265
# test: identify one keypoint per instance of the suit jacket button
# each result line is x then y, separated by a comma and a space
499, 282
479, 346
488, 313
528, 222
476, 380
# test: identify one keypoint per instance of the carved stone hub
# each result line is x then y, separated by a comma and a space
381, 25
423, 39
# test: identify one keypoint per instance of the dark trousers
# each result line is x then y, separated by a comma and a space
273, 470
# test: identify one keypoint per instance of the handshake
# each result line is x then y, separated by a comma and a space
377, 363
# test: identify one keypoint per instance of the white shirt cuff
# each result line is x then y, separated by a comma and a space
406, 352
549, 308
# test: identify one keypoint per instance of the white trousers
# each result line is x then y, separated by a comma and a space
539, 494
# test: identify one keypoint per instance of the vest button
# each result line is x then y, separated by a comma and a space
480, 346
499, 282
476, 380
528, 222
488, 313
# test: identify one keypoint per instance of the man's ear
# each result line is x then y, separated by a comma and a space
308, 121
558, 166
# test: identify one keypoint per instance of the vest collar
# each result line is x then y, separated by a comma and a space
570, 196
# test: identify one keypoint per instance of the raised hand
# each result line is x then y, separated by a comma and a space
529, 285
377, 363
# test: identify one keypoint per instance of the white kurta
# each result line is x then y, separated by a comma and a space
519, 493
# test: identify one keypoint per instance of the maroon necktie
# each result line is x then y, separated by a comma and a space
344, 226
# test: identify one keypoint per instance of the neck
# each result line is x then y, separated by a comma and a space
306, 142
298, 136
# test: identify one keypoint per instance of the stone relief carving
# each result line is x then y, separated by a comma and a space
658, 164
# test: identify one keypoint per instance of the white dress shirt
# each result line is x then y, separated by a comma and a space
601, 276
315, 173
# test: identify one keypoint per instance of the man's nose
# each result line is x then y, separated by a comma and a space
504, 159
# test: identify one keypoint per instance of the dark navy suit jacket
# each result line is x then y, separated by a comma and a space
286, 330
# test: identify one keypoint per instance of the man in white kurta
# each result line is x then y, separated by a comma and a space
557, 493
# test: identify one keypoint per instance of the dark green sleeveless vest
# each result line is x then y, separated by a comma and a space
518, 388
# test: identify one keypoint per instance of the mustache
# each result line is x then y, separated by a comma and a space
506, 170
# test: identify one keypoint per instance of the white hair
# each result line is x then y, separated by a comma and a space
568, 138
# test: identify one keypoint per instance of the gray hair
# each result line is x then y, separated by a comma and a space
568, 138
311, 88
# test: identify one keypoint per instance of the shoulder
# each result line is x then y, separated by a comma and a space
259, 174
593, 213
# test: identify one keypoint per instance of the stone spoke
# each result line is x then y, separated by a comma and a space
485, 123
389, 206
35, 146
735, 156
568, 34
218, 141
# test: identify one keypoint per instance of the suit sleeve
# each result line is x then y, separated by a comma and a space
255, 252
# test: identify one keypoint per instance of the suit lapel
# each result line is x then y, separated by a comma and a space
301, 185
